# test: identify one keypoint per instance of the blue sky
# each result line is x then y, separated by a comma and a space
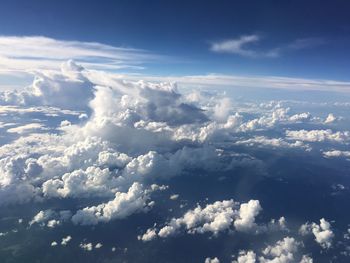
311, 37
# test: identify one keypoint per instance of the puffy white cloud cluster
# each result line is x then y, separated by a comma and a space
246, 257
54, 89
123, 205
262, 141
66, 240
283, 251
322, 232
214, 218
86, 246
50, 218
212, 260
319, 135
331, 118
246, 215
336, 153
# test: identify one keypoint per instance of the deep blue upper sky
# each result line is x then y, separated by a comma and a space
185, 30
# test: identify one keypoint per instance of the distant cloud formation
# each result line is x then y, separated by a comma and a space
240, 46
28, 53
247, 46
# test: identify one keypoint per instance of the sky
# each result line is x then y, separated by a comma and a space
287, 38
174, 131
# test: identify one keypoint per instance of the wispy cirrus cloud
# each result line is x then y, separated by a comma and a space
23, 53
265, 82
242, 46
246, 46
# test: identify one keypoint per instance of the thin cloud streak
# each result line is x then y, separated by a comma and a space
244, 46
268, 82
37, 52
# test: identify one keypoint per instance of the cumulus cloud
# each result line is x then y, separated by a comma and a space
54, 243
246, 217
306, 259
319, 135
336, 153
212, 260
148, 236
214, 218
262, 141
50, 218
322, 232
98, 245
86, 246
282, 251
42, 216
246, 257
123, 205
66, 240
330, 118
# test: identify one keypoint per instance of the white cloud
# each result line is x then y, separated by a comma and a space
319, 135
246, 257
53, 243
98, 245
50, 218
264, 82
212, 260
86, 246
174, 197
214, 218
123, 205
247, 46
336, 153
53, 223
306, 259
26, 53
322, 232
283, 251
27, 128
42, 217
330, 118
239, 46
262, 141
149, 235
66, 240
246, 217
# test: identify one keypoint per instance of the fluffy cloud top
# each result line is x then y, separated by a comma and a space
123, 205
322, 232
319, 135
215, 218
283, 251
